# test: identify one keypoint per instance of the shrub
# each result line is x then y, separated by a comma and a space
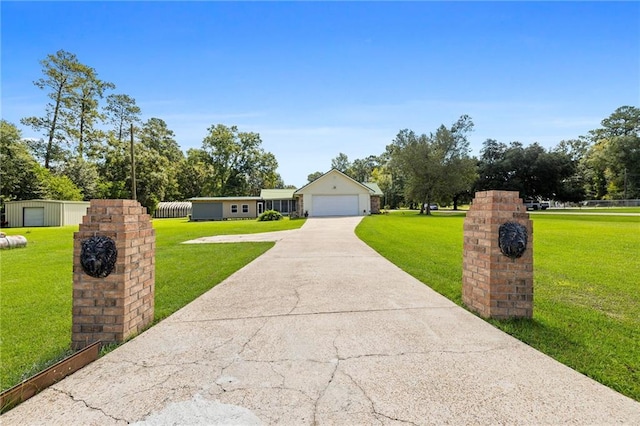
270, 215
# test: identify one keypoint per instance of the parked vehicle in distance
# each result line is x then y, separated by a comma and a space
533, 204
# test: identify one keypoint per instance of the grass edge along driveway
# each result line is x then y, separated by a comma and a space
586, 278
586, 311
36, 283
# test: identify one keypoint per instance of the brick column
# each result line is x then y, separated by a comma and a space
120, 305
493, 284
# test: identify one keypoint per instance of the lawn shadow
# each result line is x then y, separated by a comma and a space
553, 341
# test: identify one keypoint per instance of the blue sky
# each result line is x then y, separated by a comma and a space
318, 78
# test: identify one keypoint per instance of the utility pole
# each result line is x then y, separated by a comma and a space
134, 195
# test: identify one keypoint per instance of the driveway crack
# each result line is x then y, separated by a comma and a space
295, 305
333, 375
86, 404
374, 410
354, 311
238, 356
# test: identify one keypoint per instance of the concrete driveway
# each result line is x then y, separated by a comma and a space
322, 330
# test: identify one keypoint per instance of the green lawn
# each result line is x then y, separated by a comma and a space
587, 303
36, 283
595, 210
587, 298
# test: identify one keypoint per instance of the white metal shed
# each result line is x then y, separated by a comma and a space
28, 213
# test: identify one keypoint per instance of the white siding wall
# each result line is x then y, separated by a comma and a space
336, 184
72, 213
365, 204
252, 213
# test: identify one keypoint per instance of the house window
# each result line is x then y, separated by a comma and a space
285, 206
245, 208
234, 208
269, 204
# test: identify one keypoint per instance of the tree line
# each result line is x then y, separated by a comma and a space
417, 170
85, 149
85, 153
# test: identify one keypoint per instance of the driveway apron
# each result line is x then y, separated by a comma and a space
323, 330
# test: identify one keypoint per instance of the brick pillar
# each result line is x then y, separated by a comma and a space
493, 284
120, 305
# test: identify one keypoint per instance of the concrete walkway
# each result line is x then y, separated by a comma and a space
322, 330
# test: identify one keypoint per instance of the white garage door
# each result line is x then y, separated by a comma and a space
33, 216
335, 205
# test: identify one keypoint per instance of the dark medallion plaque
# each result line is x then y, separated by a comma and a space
98, 256
512, 239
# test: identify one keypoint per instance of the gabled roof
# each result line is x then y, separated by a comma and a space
277, 194
289, 194
336, 171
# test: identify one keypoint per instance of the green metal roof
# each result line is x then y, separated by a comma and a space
277, 194
375, 188
204, 199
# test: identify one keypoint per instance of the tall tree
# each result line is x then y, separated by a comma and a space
341, 162
313, 176
58, 186
382, 177
437, 166
20, 177
235, 158
532, 171
624, 121
114, 168
121, 111
596, 163
153, 177
573, 187
62, 74
84, 174
613, 160
193, 174
83, 112
156, 135
361, 169
263, 173
396, 177
492, 171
